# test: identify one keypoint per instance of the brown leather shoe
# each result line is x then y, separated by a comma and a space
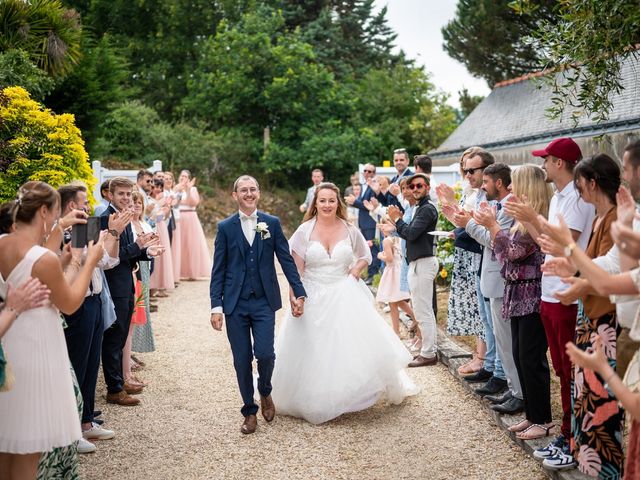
267, 408
421, 361
121, 398
132, 389
249, 425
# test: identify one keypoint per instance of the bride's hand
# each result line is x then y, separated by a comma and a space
355, 273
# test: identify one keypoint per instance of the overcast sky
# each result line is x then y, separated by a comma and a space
418, 24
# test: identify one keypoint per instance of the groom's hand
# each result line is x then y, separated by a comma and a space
216, 321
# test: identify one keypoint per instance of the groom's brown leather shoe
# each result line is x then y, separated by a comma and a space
249, 425
421, 361
267, 408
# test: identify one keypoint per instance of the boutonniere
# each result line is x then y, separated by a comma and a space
263, 229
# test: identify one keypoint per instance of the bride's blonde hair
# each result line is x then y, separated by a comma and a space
312, 211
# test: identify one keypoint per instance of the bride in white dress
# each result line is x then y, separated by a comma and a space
340, 356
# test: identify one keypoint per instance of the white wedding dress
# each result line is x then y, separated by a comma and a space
340, 356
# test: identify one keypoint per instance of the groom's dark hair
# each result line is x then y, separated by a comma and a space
242, 178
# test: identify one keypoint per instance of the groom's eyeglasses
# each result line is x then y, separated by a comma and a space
244, 191
418, 186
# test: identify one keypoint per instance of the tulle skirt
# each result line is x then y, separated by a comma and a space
195, 261
340, 356
39, 412
162, 276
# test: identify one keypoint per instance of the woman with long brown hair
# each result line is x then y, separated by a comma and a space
340, 355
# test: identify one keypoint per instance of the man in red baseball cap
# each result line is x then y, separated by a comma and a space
563, 148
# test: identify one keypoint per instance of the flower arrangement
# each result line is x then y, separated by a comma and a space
445, 245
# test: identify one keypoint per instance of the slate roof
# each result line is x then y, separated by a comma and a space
513, 114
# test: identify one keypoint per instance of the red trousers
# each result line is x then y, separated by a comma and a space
559, 325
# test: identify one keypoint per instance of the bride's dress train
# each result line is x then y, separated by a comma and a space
340, 356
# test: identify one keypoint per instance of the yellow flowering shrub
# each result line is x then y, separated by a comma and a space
37, 144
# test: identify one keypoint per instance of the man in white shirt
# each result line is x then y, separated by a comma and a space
317, 177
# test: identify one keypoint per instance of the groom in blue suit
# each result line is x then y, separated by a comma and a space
244, 287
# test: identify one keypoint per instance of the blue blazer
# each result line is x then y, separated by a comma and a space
227, 275
366, 224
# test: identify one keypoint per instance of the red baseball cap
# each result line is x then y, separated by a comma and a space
563, 148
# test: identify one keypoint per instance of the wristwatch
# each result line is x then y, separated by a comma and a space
568, 250
114, 232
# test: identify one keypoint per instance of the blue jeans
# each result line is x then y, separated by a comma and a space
492, 361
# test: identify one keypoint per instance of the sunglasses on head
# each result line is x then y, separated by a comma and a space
471, 171
418, 186
400, 150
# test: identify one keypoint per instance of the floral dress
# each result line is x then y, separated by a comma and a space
597, 421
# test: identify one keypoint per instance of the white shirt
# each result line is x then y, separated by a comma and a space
579, 216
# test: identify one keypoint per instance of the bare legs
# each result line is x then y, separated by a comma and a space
19, 467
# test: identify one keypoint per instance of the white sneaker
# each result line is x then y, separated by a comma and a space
96, 432
559, 461
85, 446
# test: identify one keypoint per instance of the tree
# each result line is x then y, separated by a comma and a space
16, 69
489, 38
48, 32
36, 144
588, 40
468, 103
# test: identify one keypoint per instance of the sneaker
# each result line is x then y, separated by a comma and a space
85, 446
560, 461
555, 446
96, 432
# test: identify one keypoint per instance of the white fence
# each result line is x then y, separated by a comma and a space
448, 175
101, 174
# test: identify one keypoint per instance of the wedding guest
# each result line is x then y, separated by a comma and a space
496, 182
463, 317
35, 343
104, 201
597, 180
366, 224
521, 259
120, 282
354, 180
174, 224
317, 177
353, 212
162, 275
144, 182
393, 195
423, 265
196, 260
143, 341
84, 329
492, 371
389, 289
559, 160
627, 391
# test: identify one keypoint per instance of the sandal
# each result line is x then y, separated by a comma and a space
535, 430
520, 426
467, 368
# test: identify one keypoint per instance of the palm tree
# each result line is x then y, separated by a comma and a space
48, 32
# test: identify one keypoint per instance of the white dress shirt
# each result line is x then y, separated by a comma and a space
248, 224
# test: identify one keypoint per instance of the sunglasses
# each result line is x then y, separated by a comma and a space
400, 150
369, 171
471, 171
418, 186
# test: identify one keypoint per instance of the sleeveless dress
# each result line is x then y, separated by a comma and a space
390, 289
39, 413
195, 259
340, 356
162, 276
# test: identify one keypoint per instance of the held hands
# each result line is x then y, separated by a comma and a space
216, 321
297, 306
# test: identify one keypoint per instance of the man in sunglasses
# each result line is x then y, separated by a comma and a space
366, 223
423, 265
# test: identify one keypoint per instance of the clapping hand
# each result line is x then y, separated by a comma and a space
461, 218
595, 360
349, 199
558, 267
446, 194
554, 237
155, 250
118, 221
485, 215
387, 228
30, 294
394, 213
372, 204
449, 210
374, 185
626, 207
394, 189
579, 288
627, 240
520, 209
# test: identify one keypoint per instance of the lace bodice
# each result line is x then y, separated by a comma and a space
322, 266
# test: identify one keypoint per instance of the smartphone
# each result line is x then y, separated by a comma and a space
82, 234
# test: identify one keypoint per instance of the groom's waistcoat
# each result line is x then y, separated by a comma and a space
252, 283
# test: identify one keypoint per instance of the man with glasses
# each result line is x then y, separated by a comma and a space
423, 265
393, 196
366, 223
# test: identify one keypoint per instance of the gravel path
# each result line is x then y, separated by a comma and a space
188, 424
